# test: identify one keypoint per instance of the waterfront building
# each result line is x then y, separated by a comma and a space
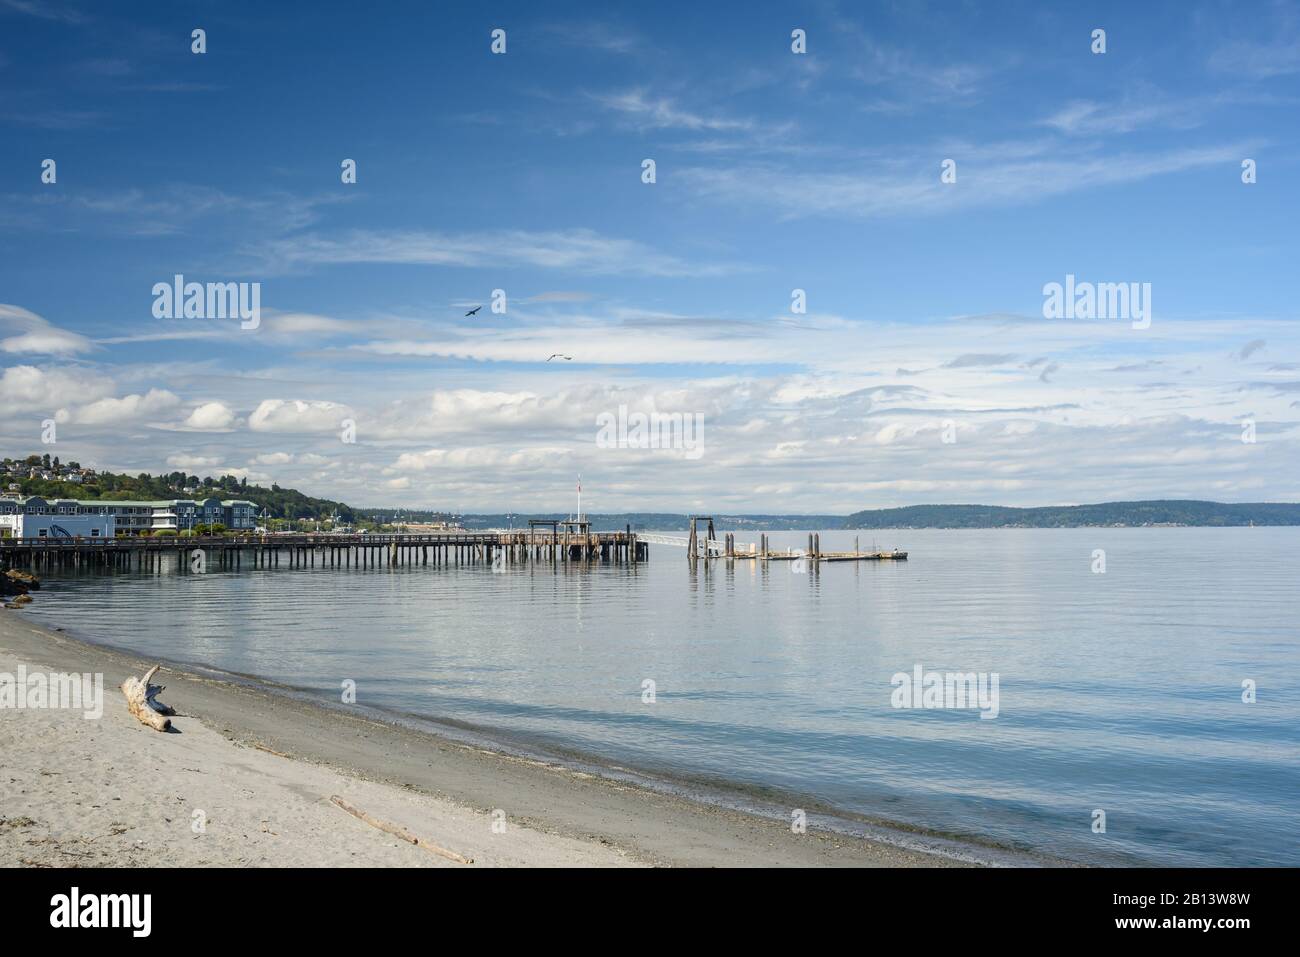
37, 517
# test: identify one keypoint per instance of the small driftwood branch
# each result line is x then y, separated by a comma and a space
140, 701
399, 832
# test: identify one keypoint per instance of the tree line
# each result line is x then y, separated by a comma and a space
282, 503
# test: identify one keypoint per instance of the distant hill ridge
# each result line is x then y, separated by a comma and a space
1158, 512
1104, 514
46, 476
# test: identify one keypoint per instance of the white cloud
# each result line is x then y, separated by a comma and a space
28, 387
305, 325
891, 433
210, 417
127, 408
478, 458
842, 432
273, 458
36, 335
183, 461
281, 415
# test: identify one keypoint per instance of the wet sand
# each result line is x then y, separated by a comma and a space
257, 768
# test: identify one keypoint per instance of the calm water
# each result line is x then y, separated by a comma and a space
1118, 691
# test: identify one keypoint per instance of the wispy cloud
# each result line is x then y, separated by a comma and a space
701, 130
1258, 60
914, 187
649, 112
582, 251
907, 79
106, 67
970, 359
1093, 118
54, 119
598, 35
166, 211
44, 10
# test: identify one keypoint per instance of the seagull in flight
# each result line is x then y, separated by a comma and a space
556, 355
473, 311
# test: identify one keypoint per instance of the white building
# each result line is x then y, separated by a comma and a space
37, 517
22, 525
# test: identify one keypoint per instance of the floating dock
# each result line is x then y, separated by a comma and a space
703, 545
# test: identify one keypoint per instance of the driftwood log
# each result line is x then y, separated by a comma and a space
140, 701
399, 832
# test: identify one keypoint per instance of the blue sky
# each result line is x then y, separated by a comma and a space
775, 171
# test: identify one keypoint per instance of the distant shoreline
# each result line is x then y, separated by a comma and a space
1153, 513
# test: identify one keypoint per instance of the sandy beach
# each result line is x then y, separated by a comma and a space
248, 779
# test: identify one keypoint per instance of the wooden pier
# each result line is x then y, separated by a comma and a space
498, 549
543, 541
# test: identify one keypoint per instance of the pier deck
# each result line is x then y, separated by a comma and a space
330, 551
497, 548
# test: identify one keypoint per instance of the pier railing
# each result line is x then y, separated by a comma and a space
333, 550
450, 547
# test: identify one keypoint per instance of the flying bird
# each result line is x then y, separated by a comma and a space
556, 355
473, 311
